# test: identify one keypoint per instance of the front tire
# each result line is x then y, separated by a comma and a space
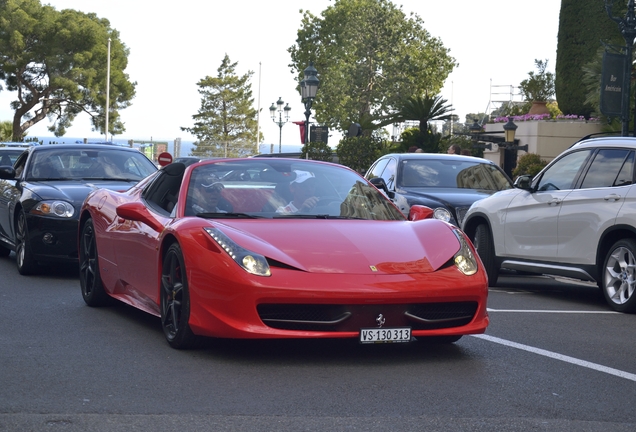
485, 248
93, 290
175, 300
27, 265
619, 276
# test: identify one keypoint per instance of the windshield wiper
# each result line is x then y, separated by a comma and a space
110, 179
316, 216
221, 215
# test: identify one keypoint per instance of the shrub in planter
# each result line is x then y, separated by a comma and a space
529, 164
317, 151
358, 153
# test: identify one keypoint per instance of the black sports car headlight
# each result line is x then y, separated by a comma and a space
251, 262
464, 259
54, 208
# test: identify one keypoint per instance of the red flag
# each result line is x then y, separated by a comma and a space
301, 125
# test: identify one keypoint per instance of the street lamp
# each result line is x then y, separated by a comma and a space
308, 90
510, 129
272, 111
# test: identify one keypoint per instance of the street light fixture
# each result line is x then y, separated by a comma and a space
308, 90
509, 129
272, 111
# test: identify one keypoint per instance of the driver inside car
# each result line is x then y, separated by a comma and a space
303, 191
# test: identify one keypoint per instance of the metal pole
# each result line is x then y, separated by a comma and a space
280, 131
107, 89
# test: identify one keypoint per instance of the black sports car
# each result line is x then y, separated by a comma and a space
448, 184
41, 195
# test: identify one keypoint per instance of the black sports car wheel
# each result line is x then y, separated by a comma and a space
486, 250
90, 280
619, 276
175, 300
23, 256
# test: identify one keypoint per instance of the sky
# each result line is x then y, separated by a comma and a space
173, 45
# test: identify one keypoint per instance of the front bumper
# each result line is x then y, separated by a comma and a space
52, 239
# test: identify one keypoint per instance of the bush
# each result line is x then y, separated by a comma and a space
359, 153
529, 164
317, 151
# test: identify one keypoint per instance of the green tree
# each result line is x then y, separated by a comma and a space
6, 131
56, 62
370, 56
583, 26
359, 153
225, 124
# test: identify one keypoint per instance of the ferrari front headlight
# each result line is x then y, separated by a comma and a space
56, 208
464, 259
250, 261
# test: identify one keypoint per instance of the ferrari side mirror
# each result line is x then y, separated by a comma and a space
419, 212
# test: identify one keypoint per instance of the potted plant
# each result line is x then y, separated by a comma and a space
538, 88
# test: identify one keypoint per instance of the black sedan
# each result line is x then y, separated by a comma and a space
448, 184
41, 195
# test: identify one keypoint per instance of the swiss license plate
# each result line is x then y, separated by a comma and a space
385, 335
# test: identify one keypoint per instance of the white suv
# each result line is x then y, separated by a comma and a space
576, 218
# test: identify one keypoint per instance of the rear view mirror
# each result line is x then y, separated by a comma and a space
523, 182
419, 212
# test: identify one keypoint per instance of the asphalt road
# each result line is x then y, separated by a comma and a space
554, 358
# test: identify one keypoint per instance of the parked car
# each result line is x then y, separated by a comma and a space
243, 258
9, 152
41, 195
576, 219
449, 184
189, 160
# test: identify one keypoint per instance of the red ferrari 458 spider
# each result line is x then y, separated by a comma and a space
278, 248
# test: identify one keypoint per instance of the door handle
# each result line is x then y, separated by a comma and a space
554, 202
612, 197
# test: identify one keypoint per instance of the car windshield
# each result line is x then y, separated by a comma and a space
284, 189
438, 173
89, 164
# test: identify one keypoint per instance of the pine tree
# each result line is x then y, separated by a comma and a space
225, 124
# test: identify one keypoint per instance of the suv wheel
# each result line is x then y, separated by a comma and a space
619, 276
486, 250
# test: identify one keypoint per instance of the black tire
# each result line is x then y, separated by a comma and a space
93, 291
618, 276
27, 265
485, 248
175, 300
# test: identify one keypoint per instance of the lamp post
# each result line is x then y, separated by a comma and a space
272, 111
510, 150
308, 90
627, 26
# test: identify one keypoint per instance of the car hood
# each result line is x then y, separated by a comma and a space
74, 191
447, 197
348, 246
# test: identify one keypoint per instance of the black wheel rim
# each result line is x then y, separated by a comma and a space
21, 235
172, 295
88, 261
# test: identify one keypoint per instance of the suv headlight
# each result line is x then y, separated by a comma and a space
61, 209
251, 262
464, 259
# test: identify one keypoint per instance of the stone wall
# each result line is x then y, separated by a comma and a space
547, 138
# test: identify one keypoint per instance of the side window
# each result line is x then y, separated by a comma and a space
626, 175
606, 168
19, 164
376, 170
563, 174
389, 174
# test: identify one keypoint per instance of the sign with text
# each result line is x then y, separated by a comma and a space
319, 134
612, 84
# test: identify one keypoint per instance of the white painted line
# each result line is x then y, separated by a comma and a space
567, 359
551, 311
